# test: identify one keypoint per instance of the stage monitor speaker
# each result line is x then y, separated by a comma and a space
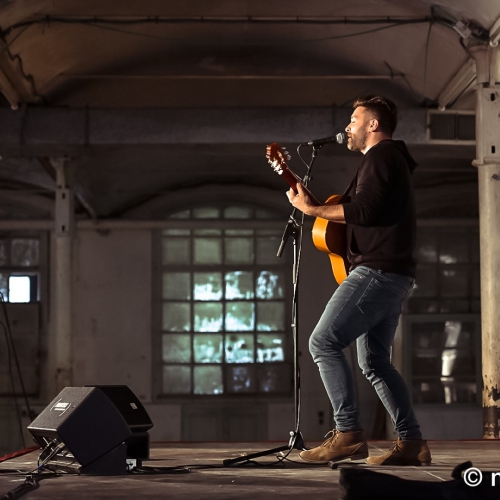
129, 406
136, 416
96, 430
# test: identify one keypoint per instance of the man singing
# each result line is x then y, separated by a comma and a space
366, 307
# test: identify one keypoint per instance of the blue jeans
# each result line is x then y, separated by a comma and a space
366, 308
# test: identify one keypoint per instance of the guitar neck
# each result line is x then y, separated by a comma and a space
292, 180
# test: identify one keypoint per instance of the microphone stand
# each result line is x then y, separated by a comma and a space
295, 230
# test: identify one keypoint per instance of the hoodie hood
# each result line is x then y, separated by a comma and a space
401, 146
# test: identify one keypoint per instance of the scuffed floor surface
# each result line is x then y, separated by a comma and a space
290, 479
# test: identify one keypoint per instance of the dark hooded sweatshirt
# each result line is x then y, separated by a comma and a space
380, 218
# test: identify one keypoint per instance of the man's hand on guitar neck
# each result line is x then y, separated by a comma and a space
302, 202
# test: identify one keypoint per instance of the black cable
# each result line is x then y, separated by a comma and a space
32, 482
46, 20
4, 307
477, 31
9, 362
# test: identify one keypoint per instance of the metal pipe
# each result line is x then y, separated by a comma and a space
64, 230
488, 163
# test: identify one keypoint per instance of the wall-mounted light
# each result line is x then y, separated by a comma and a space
495, 33
460, 82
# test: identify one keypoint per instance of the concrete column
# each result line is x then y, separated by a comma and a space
488, 163
64, 232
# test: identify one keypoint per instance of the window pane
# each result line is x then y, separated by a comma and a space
476, 282
207, 232
207, 251
176, 379
176, 232
446, 391
183, 214
176, 286
267, 249
454, 283
275, 378
425, 283
239, 348
453, 247
416, 305
176, 317
239, 250
241, 379
175, 251
426, 247
270, 347
176, 348
430, 391
208, 348
443, 348
270, 285
207, 317
3, 253
19, 289
237, 213
454, 306
239, 285
208, 380
265, 214
24, 252
239, 232
271, 316
474, 246
206, 213
207, 286
4, 286
240, 316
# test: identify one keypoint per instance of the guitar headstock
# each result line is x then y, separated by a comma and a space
277, 156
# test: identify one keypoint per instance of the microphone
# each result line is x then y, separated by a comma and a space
338, 139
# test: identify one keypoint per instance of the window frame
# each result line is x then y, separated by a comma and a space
409, 319
157, 301
42, 271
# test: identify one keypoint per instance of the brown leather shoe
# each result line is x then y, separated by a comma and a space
339, 446
404, 452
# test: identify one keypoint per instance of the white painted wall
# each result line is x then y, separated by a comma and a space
112, 309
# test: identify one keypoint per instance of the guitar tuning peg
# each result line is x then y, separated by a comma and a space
283, 148
288, 157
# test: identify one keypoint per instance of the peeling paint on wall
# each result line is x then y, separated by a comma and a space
491, 416
494, 394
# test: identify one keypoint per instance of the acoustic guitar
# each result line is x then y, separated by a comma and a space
328, 236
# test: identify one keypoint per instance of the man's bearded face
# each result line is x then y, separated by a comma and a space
357, 130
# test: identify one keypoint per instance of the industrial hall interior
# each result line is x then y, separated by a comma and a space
150, 262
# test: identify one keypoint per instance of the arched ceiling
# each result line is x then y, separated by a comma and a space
226, 54
243, 53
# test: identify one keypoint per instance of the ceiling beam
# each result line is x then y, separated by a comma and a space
43, 131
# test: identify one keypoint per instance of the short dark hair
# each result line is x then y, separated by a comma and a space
385, 111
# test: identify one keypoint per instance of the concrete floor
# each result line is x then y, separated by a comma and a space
292, 479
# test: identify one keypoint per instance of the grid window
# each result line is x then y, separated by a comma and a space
223, 296
442, 325
448, 276
444, 358
19, 269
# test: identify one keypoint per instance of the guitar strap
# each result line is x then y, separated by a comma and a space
345, 195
